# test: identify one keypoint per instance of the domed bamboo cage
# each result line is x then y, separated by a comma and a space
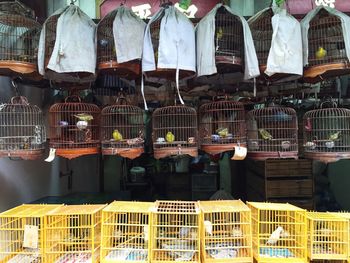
106, 47
122, 130
175, 131
22, 130
19, 40
272, 133
74, 128
326, 53
327, 134
222, 126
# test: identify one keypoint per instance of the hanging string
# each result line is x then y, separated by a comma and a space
254, 87
178, 74
143, 92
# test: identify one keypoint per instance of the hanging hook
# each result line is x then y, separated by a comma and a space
72, 2
165, 3
14, 83
122, 3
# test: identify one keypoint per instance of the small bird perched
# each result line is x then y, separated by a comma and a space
170, 137
223, 132
265, 134
208, 227
279, 2
84, 116
117, 135
219, 33
321, 53
335, 136
275, 236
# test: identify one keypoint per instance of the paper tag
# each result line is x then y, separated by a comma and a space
240, 153
52, 155
31, 236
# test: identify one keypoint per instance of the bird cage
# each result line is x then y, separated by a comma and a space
226, 232
67, 47
345, 215
122, 130
175, 232
169, 45
222, 126
22, 130
126, 232
74, 128
279, 232
328, 236
272, 133
114, 38
19, 40
175, 131
73, 234
327, 134
16, 226
326, 38
268, 31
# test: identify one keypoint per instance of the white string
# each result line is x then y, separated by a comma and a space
177, 74
254, 87
143, 92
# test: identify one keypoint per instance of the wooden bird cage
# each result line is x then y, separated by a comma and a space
327, 134
229, 42
222, 126
272, 133
175, 131
19, 40
326, 32
122, 130
74, 128
106, 51
22, 130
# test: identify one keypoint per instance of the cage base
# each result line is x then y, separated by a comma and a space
130, 153
261, 156
23, 154
169, 74
228, 64
228, 260
129, 70
328, 257
280, 260
278, 77
77, 152
325, 157
214, 149
12, 68
318, 73
175, 151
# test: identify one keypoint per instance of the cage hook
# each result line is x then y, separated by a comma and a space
72, 2
14, 83
165, 3
122, 3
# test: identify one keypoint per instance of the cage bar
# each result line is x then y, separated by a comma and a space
16, 227
175, 232
222, 126
126, 232
226, 232
73, 234
175, 131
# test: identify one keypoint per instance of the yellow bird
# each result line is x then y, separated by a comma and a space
321, 53
117, 135
219, 33
84, 116
265, 134
335, 136
223, 132
170, 137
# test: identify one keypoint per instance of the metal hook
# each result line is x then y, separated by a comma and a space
165, 3
14, 83
72, 2
122, 3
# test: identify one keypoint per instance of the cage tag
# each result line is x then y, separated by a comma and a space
31, 236
240, 153
52, 155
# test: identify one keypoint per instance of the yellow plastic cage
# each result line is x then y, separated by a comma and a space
226, 232
346, 215
175, 232
278, 232
328, 236
21, 233
73, 234
126, 232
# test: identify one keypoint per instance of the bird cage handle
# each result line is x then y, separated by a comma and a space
119, 100
19, 100
165, 3
72, 97
330, 101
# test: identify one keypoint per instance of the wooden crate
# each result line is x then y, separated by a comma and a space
281, 181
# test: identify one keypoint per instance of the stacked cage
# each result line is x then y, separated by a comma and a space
22, 130
279, 232
226, 232
19, 40
122, 130
175, 232
73, 234
327, 134
272, 132
175, 131
327, 49
345, 215
74, 128
22, 233
106, 43
222, 126
328, 236
126, 232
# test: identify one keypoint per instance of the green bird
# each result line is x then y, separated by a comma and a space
222, 132
219, 33
335, 136
170, 137
84, 116
279, 2
185, 4
265, 134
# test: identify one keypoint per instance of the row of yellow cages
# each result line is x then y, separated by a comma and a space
172, 231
